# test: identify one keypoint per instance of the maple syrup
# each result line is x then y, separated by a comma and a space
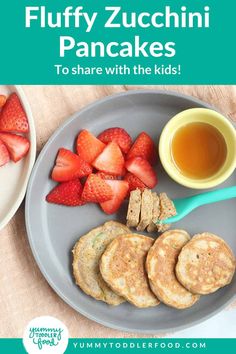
198, 150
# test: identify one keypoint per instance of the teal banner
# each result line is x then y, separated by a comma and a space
118, 42
145, 345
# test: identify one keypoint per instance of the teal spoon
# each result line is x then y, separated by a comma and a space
185, 205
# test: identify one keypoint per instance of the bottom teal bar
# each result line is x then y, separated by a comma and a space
120, 345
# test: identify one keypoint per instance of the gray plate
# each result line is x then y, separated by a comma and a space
53, 230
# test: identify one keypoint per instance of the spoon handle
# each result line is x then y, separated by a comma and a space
214, 196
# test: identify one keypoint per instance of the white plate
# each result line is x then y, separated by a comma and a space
14, 176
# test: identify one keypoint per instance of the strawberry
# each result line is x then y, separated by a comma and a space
119, 136
143, 147
96, 190
13, 117
134, 182
104, 175
69, 166
66, 193
2, 100
88, 146
17, 145
120, 190
4, 154
111, 160
143, 170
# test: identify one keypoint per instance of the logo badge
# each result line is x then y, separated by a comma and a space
47, 335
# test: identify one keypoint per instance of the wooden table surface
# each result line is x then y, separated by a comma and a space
24, 293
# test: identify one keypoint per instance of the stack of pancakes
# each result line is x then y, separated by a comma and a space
113, 265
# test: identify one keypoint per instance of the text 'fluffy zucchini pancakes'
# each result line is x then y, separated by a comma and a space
86, 255
205, 264
122, 266
160, 265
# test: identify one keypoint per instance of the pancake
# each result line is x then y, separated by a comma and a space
205, 264
122, 267
86, 255
134, 208
146, 210
155, 213
167, 209
160, 265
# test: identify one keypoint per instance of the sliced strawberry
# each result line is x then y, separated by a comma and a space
4, 154
134, 182
143, 170
119, 136
111, 160
104, 175
88, 146
69, 166
13, 117
124, 171
67, 193
143, 147
96, 190
17, 145
120, 190
3, 100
